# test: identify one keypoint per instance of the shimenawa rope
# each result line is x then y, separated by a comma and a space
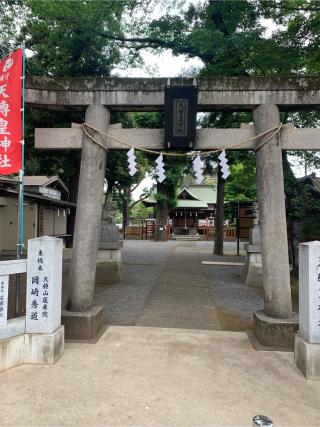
275, 130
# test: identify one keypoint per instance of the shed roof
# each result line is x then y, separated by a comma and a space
6, 180
35, 196
42, 180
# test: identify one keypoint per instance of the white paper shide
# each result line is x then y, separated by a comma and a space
198, 168
132, 162
224, 165
160, 169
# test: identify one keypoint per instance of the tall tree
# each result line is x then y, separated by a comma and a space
60, 45
11, 17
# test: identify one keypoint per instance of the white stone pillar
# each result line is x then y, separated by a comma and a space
307, 341
4, 291
309, 292
272, 215
44, 285
88, 216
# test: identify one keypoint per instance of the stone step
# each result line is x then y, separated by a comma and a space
186, 238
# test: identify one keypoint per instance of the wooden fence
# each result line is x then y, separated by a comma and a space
146, 231
228, 233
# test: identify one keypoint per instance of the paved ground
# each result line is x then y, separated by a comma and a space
166, 285
160, 377
149, 373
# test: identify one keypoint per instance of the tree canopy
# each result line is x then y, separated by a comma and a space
231, 38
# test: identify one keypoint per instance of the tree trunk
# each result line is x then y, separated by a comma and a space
71, 218
162, 212
126, 211
219, 217
297, 229
296, 239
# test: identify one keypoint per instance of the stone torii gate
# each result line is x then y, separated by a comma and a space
264, 96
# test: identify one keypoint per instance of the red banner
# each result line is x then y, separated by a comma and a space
10, 113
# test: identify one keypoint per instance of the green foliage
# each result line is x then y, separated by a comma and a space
117, 169
117, 174
59, 35
298, 34
175, 168
12, 13
241, 184
304, 207
148, 120
88, 38
140, 211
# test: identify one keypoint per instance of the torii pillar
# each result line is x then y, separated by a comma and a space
275, 326
82, 320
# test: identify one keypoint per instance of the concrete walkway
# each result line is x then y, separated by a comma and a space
160, 377
202, 374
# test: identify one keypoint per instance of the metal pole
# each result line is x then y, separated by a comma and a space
123, 229
20, 222
20, 207
238, 228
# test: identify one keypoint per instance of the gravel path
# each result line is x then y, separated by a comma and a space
166, 285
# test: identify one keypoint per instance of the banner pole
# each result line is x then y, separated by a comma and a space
23, 148
20, 207
20, 224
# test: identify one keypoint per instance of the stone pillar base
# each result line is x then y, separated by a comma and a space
82, 325
31, 348
11, 352
44, 348
108, 272
254, 275
253, 267
275, 333
14, 327
307, 358
109, 255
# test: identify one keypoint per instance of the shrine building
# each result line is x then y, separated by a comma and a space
195, 207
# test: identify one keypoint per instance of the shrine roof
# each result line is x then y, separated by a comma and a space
203, 192
196, 204
201, 195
